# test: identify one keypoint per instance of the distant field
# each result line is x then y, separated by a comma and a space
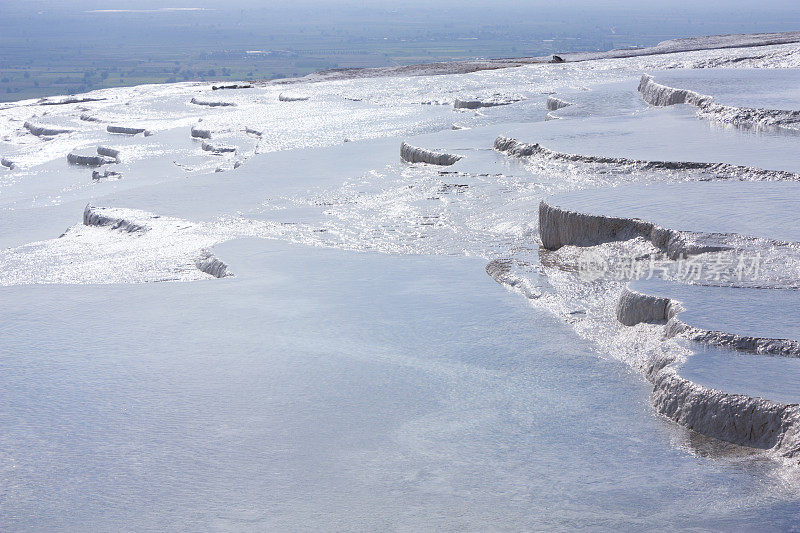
61, 47
98, 67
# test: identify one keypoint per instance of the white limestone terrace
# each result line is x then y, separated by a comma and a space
767, 422
536, 151
693, 43
720, 409
125, 130
741, 87
732, 414
45, 130
114, 245
748, 117
638, 134
553, 103
766, 209
775, 379
292, 97
593, 216
67, 100
106, 175
109, 151
509, 273
697, 218
493, 101
723, 385
730, 222
100, 155
413, 154
736, 318
211, 103
217, 148
724, 404
413, 215
200, 133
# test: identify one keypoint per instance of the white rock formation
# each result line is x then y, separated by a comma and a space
758, 345
554, 103
291, 97
662, 95
119, 245
516, 148
634, 308
231, 86
40, 130
412, 154
88, 160
108, 152
200, 133
217, 148
476, 104
735, 418
208, 263
126, 130
560, 227
502, 271
127, 220
69, 100
211, 103
687, 44
461, 67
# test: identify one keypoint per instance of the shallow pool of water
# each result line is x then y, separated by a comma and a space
757, 209
322, 389
773, 378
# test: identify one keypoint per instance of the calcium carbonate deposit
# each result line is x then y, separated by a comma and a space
662, 95
240, 309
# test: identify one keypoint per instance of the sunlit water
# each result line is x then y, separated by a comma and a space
775, 89
755, 209
772, 378
322, 389
742, 311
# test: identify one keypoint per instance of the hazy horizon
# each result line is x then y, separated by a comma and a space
56, 47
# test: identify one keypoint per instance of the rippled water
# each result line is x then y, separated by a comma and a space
322, 389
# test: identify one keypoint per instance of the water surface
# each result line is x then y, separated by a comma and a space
322, 389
